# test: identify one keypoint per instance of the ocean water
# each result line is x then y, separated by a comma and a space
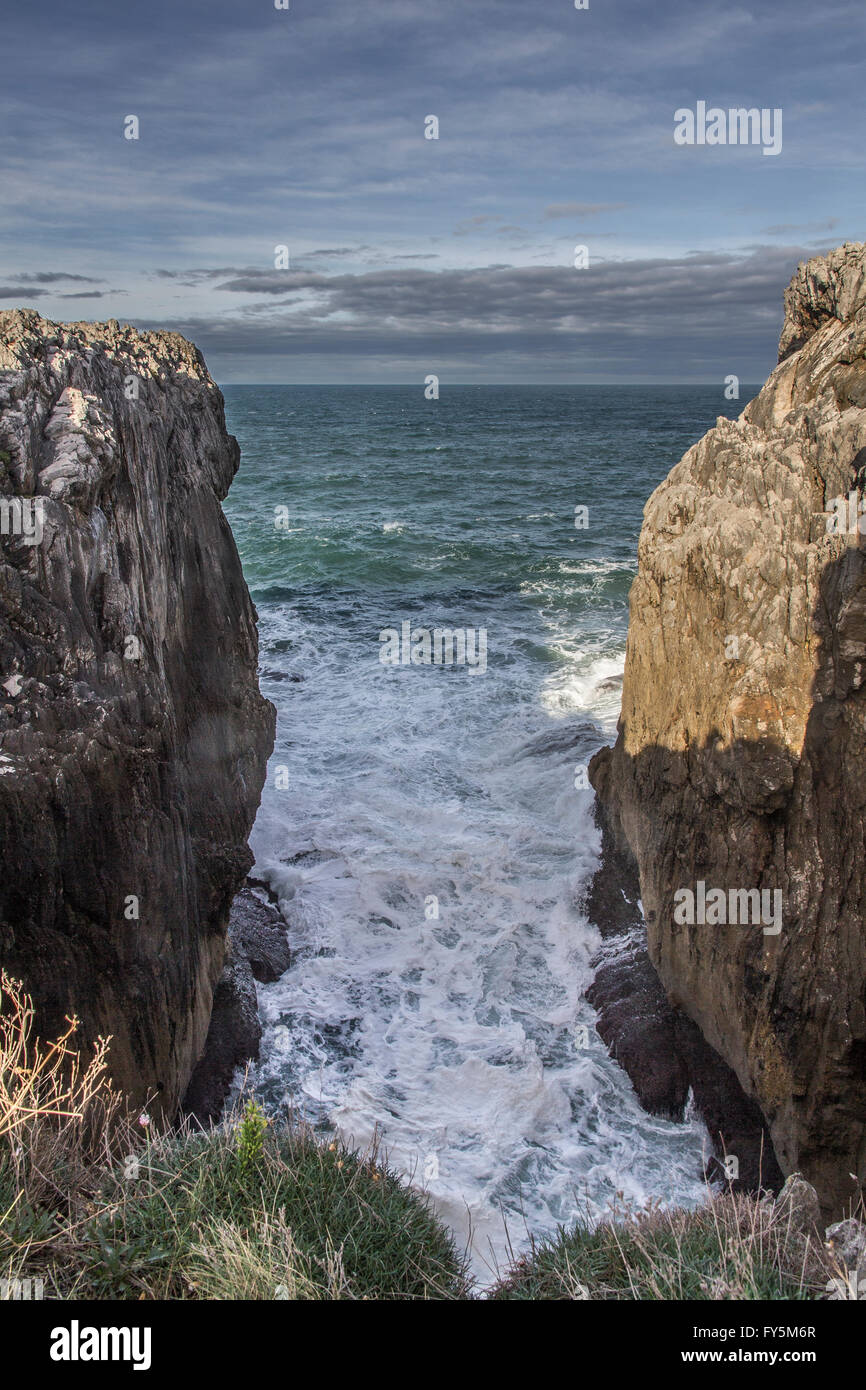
420, 826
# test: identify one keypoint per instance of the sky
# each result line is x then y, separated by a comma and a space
304, 128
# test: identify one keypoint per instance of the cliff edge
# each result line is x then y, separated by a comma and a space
740, 761
133, 738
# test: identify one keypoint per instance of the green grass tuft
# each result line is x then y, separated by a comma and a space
733, 1248
189, 1219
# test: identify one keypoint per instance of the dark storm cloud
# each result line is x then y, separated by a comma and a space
92, 294
51, 277
23, 288
636, 317
639, 296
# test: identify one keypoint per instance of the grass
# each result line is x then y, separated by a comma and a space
101, 1206
183, 1220
98, 1204
735, 1247
310, 1221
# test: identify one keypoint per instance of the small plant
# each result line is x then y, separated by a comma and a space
251, 1138
41, 1080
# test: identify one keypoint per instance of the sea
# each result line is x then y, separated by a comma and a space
426, 826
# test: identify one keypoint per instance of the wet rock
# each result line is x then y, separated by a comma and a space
583, 733
258, 950
233, 1039
659, 1046
257, 933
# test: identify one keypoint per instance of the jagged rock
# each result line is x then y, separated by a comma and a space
824, 290
846, 1242
233, 1038
638, 1024
660, 1048
133, 739
258, 950
635, 1019
257, 932
797, 1204
740, 759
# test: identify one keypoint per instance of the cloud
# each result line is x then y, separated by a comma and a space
472, 224
643, 317
51, 277
195, 276
274, 281
331, 252
800, 228
552, 120
556, 210
23, 288
25, 291
91, 294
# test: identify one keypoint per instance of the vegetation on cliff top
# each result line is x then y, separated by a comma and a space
734, 1248
99, 1205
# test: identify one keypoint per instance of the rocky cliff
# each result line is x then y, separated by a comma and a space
133, 738
740, 762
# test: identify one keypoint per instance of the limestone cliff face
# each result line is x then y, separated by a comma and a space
133, 738
741, 753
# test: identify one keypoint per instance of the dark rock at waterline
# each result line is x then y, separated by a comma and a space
233, 1039
258, 950
638, 1025
133, 737
273, 674
659, 1047
564, 737
257, 932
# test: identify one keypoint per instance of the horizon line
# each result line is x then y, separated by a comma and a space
412, 385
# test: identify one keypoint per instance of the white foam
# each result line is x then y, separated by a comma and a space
457, 1038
